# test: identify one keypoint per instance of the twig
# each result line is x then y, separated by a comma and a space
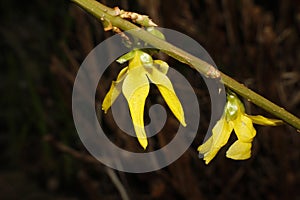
89, 159
114, 178
101, 12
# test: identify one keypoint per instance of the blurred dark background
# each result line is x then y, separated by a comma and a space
42, 46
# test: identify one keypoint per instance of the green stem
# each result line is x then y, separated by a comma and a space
101, 12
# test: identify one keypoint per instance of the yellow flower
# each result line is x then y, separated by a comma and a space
234, 118
133, 82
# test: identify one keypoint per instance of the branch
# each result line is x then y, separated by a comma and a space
101, 12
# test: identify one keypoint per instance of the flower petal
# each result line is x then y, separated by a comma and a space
220, 135
135, 89
162, 66
210, 155
239, 150
261, 120
167, 91
136, 62
206, 146
114, 91
243, 128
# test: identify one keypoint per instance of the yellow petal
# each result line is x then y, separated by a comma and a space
220, 135
166, 89
258, 119
135, 89
162, 66
210, 155
243, 128
206, 146
114, 91
239, 150
140, 58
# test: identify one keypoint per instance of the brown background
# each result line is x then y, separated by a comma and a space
42, 46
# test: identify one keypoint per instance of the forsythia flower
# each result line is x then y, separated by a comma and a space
133, 81
234, 118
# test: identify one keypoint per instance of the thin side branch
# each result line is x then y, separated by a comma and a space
91, 160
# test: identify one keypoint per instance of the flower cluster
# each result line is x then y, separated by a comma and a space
134, 82
234, 118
